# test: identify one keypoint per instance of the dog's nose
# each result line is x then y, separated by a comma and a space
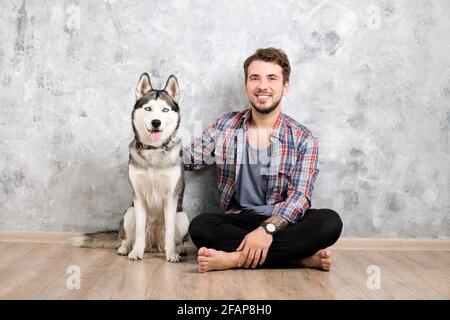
156, 123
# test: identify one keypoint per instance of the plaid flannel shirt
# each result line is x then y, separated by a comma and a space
294, 162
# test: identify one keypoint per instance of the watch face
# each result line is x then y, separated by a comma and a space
270, 227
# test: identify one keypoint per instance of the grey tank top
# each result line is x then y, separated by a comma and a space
251, 185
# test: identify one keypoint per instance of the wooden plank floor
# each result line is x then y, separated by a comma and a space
37, 270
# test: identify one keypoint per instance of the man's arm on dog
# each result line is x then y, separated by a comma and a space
200, 152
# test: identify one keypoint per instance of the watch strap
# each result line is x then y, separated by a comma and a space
278, 221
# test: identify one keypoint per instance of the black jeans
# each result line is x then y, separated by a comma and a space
318, 229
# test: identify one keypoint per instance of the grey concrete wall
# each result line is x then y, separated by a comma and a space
371, 79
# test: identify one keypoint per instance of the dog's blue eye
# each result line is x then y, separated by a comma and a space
148, 109
165, 110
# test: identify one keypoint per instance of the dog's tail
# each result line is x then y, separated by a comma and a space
106, 240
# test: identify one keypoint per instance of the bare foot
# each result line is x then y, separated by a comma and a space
210, 259
320, 260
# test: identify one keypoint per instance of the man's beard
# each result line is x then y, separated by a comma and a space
266, 111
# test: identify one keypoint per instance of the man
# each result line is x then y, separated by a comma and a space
266, 167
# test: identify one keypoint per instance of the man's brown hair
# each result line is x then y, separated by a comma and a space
277, 56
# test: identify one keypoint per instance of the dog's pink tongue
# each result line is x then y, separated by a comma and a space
155, 135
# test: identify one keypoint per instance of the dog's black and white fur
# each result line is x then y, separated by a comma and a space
155, 221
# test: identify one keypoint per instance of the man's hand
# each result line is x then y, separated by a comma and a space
254, 248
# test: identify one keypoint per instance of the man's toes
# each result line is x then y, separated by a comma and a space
326, 260
202, 259
326, 263
202, 251
325, 253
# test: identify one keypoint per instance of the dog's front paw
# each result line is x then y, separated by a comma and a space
136, 254
174, 257
122, 251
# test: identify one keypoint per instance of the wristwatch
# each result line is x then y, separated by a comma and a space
269, 227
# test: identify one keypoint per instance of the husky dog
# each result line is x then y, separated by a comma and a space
155, 221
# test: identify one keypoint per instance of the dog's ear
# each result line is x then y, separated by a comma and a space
143, 86
172, 88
